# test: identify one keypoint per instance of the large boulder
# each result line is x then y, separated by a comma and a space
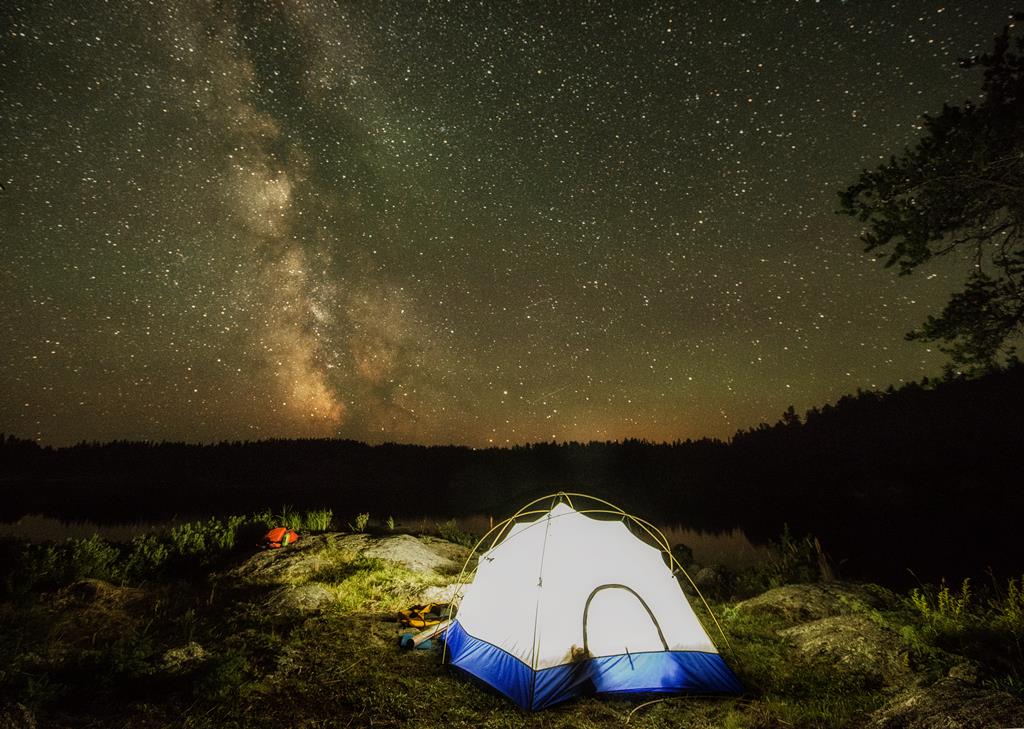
419, 554
949, 704
313, 575
806, 602
311, 556
853, 644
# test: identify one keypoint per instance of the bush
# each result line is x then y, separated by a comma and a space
1010, 609
147, 558
944, 610
28, 567
683, 555
288, 517
360, 523
790, 560
93, 557
188, 539
450, 530
226, 537
987, 631
318, 520
199, 538
264, 519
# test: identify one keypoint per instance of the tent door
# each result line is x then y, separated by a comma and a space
617, 621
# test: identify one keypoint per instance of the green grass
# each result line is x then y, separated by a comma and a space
317, 521
987, 629
793, 689
358, 525
304, 522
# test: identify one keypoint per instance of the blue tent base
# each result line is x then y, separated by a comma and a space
634, 673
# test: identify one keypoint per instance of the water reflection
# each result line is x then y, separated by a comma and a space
730, 548
39, 528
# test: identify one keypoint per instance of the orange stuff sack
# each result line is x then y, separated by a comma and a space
279, 537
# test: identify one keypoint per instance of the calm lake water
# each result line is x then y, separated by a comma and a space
731, 548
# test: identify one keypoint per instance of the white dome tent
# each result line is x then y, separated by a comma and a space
566, 602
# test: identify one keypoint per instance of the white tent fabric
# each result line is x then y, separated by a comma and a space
568, 603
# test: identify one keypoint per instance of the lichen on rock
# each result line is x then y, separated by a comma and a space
854, 644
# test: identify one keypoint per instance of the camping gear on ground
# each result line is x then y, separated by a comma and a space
573, 602
423, 616
424, 639
279, 537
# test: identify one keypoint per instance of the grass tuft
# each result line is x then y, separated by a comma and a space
359, 525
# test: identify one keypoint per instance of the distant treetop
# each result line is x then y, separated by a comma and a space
961, 188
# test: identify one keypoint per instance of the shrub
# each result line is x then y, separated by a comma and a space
27, 567
360, 523
188, 539
93, 557
793, 560
318, 520
224, 534
390, 523
264, 519
985, 631
450, 530
199, 538
1010, 610
147, 557
683, 555
288, 517
943, 609
790, 560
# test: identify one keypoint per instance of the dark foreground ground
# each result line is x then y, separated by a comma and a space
306, 637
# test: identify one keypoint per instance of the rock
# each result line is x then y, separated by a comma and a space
949, 704
319, 554
801, 603
294, 563
966, 671
440, 594
184, 658
853, 644
16, 716
419, 554
312, 597
711, 579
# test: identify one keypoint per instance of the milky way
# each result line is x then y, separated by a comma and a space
456, 222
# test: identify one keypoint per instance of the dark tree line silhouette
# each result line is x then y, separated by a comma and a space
926, 476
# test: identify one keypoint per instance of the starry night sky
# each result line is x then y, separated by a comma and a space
472, 223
